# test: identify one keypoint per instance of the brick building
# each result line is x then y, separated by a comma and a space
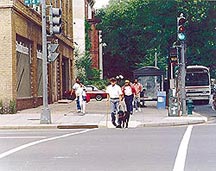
21, 58
94, 34
83, 10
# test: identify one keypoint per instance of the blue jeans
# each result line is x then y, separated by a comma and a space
114, 105
78, 103
136, 102
129, 103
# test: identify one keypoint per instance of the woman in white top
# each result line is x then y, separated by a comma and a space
82, 97
75, 87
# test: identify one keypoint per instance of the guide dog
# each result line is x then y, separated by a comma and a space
123, 119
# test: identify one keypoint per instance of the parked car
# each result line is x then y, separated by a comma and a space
95, 93
91, 91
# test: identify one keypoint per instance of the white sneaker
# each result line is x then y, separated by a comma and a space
139, 109
136, 110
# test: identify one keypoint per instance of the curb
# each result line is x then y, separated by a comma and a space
48, 127
77, 126
28, 127
166, 124
93, 126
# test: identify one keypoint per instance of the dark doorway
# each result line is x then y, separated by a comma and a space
65, 74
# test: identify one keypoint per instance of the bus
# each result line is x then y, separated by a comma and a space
198, 84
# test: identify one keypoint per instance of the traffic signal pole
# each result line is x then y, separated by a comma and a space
181, 36
45, 115
183, 75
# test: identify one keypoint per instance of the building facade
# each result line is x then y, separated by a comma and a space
95, 37
84, 12
21, 54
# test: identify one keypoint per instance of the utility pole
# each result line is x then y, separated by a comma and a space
45, 115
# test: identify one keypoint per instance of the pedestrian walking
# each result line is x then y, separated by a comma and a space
114, 95
82, 97
138, 89
75, 87
128, 92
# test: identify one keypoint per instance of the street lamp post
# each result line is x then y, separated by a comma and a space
45, 115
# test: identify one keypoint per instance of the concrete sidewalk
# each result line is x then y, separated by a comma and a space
64, 116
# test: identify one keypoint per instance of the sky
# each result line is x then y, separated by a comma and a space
100, 3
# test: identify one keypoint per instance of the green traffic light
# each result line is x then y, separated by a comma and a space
181, 36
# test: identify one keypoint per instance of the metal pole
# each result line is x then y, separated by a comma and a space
100, 54
156, 59
183, 74
45, 115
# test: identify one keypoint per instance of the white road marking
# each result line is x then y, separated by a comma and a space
23, 137
14, 150
182, 151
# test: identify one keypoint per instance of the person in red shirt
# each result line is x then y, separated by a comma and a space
128, 92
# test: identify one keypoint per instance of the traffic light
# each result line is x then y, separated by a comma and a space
176, 71
55, 20
172, 62
181, 27
52, 54
173, 55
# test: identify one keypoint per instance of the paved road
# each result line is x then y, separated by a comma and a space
142, 149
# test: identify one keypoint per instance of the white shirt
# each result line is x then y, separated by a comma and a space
128, 90
114, 91
81, 92
75, 87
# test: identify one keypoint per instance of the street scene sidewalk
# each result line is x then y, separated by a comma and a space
64, 116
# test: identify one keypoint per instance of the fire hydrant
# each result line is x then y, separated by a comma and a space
190, 107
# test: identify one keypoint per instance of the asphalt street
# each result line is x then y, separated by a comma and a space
188, 148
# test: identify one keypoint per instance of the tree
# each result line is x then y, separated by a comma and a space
135, 29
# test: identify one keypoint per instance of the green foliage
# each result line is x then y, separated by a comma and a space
12, 107
135, 29
87, 39
1, 107
100, 84
86, 73
8, 108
